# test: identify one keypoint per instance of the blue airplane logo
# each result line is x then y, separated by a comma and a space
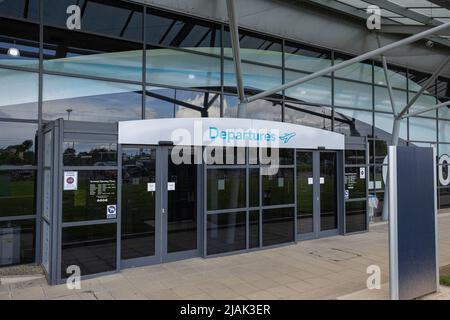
287, 136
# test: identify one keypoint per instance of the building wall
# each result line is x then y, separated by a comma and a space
122, 66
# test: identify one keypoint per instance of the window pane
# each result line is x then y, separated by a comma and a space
384, 124
17, 143
95, 192
253, 229
424, 102
17, 240
138, 204
422, 129
355, 156
168, 29
305, 192
17, 192
397, 76
225, 232
92, 248
354, 184
353, 95
226, 188
444, 198
182, 69
443, 173
90, 100
225, 155
355, 216
416, 80
94, 55
256, 78
304, 58
311, 116
18, 94
253, 186
117, 19
255, 47
277, 226
383, 101
328, 191
19, 42
278, 188
89, 154
260, 109
444, 131
444, 149
376, 178
314, 91
353, 122
444, 113
381, 151
361, 71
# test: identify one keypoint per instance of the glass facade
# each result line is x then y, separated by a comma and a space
139, 62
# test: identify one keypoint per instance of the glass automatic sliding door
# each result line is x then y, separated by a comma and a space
328, 191
317, 209
139, 196
181, 206
305, 192
159, 211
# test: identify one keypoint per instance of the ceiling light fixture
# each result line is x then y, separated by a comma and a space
13, 52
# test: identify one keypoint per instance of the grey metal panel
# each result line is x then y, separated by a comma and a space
90, 127
416, 222
90, 137
355, 143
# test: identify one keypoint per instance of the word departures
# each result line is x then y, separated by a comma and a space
228, 310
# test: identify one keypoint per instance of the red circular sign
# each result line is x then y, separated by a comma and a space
70, 180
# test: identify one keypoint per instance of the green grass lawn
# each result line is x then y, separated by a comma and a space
445, 281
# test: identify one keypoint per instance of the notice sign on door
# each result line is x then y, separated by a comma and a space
362, 173
70, 180
111, 211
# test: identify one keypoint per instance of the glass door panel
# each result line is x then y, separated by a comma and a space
138, 202
181, 206
305, 192
328, 191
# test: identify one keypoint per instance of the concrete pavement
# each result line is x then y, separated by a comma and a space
327, 268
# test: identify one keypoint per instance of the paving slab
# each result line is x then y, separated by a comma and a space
327, 268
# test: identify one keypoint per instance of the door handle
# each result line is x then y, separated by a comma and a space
163, 210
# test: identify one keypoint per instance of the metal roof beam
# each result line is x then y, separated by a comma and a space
413, 114
349, 62
395, 8
347, 9
408, 30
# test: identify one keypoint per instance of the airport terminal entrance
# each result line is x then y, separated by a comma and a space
116, 196
159, 211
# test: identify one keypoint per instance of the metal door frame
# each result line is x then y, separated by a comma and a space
164, 168
317, 233
156, 258
161, 214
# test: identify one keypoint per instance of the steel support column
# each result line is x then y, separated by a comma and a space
413, 114
234, 33
429, 82
395, 129
349, 62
